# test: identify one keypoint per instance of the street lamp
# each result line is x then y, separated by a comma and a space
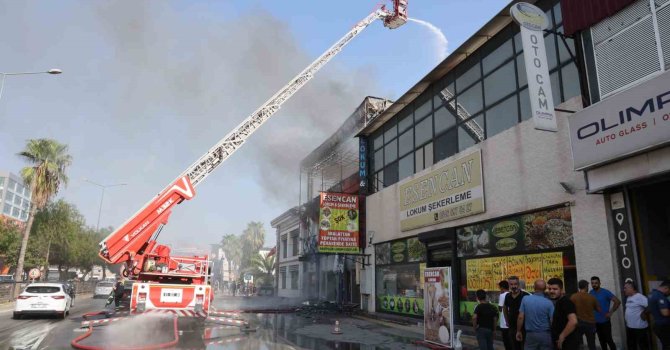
103, 187
2, 81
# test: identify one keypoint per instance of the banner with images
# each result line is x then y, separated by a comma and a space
411, 306
438, 316
485, 273
546, 229
407, 250
338, 223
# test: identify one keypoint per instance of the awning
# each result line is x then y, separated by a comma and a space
581, 14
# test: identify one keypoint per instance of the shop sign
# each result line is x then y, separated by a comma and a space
533, 21
452, 191
624, 239
485, 273
363, 164
338, 223
622, 125
545, 229
438, 317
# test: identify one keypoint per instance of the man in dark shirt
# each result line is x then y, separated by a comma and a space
484, 321
564, 320
659, 309
511, 310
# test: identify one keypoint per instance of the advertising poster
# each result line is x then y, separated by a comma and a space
438, 315
338, 223
410, 306
485, 273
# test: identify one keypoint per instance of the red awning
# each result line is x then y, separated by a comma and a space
581, 14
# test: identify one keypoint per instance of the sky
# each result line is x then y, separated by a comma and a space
149, 86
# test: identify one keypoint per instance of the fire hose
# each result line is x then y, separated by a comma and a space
75, 342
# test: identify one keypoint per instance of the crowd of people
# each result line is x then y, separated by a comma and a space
550, 319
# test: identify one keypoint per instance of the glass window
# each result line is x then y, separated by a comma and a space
446, 145
391, 132
294, 279
405, 123
424, 109
24, 216
571, 81
390, 152
550, 46
428, 155
518, 44
423, 131
445, 94
497, 57
406, 142
9, 197
284, 247
379, 180
521, 68
378, 141
7, 210
499, 84
25, 204
563, 52
12, 185
471, 100
26, 192
379, 160
283, 278
19, 189
466, 137
502, 117
466, 79
555, 88
558, 16
16, 212
418, 160
17, 200
391, 174
443, 120
2, 182
295, 248
406, 166
524, 100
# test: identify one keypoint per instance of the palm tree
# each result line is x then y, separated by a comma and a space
255, 235
230, 244
263, 267
48, 160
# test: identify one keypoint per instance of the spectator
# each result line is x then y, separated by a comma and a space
659, 309
535, 317
603, 324
484, 321
586, 305
564, 320
504, 328
511, 312
637, 328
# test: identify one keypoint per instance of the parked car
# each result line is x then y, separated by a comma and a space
103, 289
43, 299
6, 279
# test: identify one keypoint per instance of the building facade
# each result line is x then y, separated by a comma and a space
14, 197
289, 268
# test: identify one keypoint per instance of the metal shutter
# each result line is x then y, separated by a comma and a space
663, 18
628, 57
610, 26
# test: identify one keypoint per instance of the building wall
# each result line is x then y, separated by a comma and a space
286, 227
14, 197
522, 169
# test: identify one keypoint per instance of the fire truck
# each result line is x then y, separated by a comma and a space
177, 283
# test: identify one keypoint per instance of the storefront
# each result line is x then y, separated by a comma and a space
399, 267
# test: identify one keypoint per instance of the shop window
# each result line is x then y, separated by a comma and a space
391, 174
571, 86
467, 136
497, 85
529, 246
423, 131
497, 57
471, 99
424, 109
406, 166
390, 152
446, 145
502, 117
406, 142
444, 119
399, 269
379, 159
466, 79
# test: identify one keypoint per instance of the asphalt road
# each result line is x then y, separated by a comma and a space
44, 332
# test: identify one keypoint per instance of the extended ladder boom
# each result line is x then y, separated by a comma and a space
137, 235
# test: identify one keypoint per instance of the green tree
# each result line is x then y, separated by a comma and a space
263, 268
48, 160
56, 226
10, 242
230, 244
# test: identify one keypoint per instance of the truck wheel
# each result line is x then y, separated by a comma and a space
16, 316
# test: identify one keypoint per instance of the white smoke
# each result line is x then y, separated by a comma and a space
441, 43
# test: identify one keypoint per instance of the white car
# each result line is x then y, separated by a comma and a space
43, 299
103, 289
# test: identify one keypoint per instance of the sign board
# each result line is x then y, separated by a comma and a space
625, 243
438, 317
34, 274
363, 164
623, 124
248, 277
452, 191
338, 223
533, 21
485, 273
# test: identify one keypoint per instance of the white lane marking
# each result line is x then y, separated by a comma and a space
30, 337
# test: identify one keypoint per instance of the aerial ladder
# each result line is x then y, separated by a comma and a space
165, 282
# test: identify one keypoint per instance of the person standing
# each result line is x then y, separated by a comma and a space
504, 328
564, 320
484, 321
603, 324
660, 311
511, 308
586, 305
637, 328
118, 291
535, 317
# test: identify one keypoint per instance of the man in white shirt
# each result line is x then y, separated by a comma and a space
637, 328
504, 328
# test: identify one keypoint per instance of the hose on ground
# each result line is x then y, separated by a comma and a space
75, 342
